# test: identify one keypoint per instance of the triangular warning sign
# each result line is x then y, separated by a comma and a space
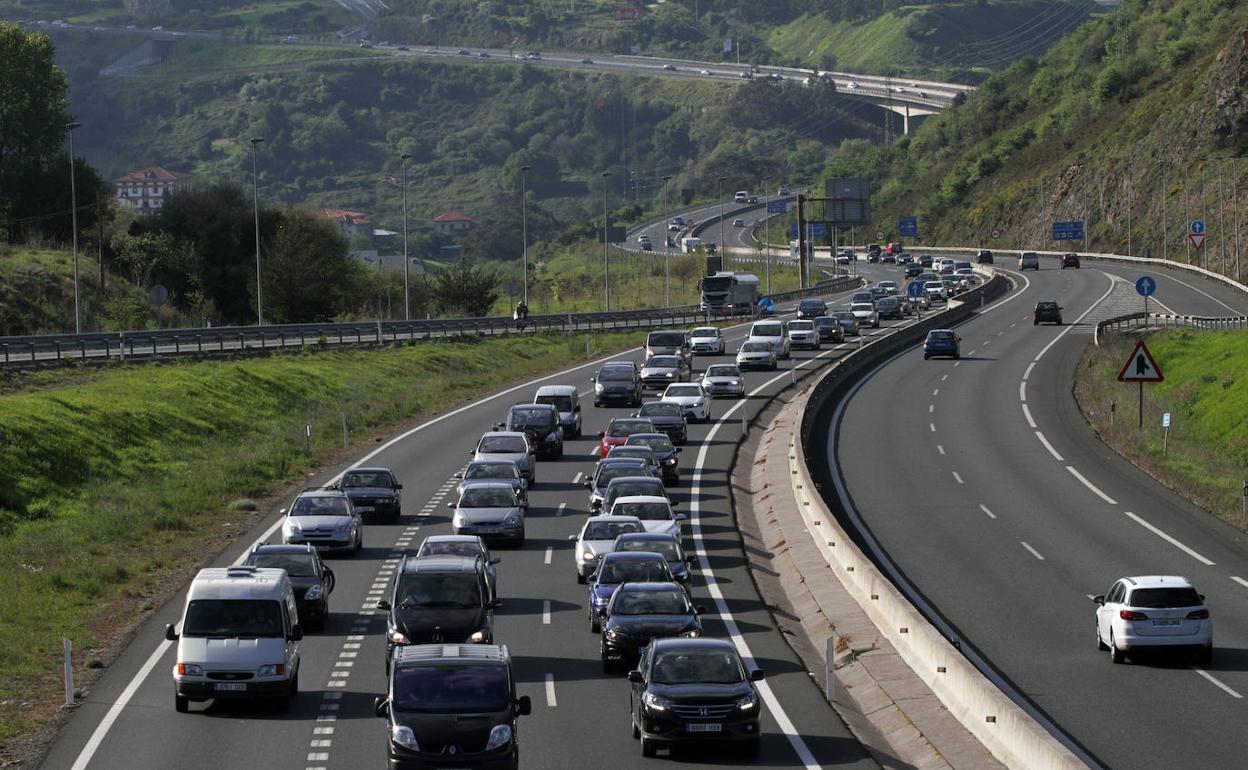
1140, 366
1197, 239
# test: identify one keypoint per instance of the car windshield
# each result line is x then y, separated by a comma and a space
756, 347
562, 403
660, 409
697, 667
431, 589
644, 511
861, 307
505, 470
659, 444
367, 479
811, 304
608, 530
664, 362
709, 331
449, 548
1164, 598
939, 335
723, 370
1046, 306
683, 390
862, 296
801, 326
638, 452
606, 474
934, 285
233, 618
619, 428
487, 497
666, 339
504, 445
716, 284
636, 488
665, 548
615, 373
630, 571
842, 315
667, 602
766, 330
295, 564
444, 689
524, 417
886, 285
320, 506
824, 320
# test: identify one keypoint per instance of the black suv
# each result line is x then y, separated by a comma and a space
693, 690
1070, 259
310, 579
540, 422
439, 599
638, 614
1047, 312
811, 308
618, 381
452, 704
983, 257
374, 492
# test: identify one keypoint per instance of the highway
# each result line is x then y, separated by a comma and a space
580, 719
983, 483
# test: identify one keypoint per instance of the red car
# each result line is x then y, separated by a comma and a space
894, 248
618, 431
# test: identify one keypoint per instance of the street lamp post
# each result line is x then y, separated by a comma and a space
606, 272
722, 245
524, 232
255, 200
73, 212
667, 249
407, 294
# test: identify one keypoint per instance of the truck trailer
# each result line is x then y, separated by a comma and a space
729, 293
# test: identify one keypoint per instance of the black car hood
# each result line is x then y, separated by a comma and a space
701, 693
301, 584
652, 626
665, 419
453, 623
438, 733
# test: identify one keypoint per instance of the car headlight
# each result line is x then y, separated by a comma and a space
597, 387
655, 702
343, 527
735, 383
457, 521
478, 637
747, 702
403, 736
692, 634
670, 461
612, 634
398, 637
499, 736
291, 526
271, 669
670, 375
512, 521
190, 669
587, 556
313, 593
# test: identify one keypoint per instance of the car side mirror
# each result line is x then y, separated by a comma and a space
601, 433
499, 425
674, 503
494, 604
171, 633
283, 511
381, 706
959, 339
524, 706
573, 537
457, 475
701, 610
576, 408
382, 604
524, 503
494, 560
589, 484
635, 677
679, 450
296, 632
689, 559
635, 414
450, 505
757, 675
1099, 599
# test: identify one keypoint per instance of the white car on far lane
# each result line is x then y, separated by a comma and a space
724, 380
866, 314
803, 334
755, 354
707, 339
692, 398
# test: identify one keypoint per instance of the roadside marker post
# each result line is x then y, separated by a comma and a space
68, 648
1165, 439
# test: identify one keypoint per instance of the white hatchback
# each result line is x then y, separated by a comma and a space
774, 333
691, 397
803, 334
1153, 611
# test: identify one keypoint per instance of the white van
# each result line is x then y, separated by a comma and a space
1028, 260
774, 333
741, 196
240, 637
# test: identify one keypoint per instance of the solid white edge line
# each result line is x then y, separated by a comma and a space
1198, 291
940, 449
1027, 372
551, 701
1033, 551
101, 730
1049, 447
1082, 315
1027, 414
1213, 679
957, 478
984, 508
1169, 539
1091, 486
550, 552
1022, 389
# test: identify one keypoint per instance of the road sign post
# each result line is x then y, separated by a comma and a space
1145, 285
1196, 233
1140, 368
1165, 439
908, 227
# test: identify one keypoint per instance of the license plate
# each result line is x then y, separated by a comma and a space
230, 687
365, 508
704, 728
1166, 622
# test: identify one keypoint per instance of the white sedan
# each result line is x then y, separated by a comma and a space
654, 512
866, 314
803, 334
707, 339
724, 380
691, 397
757, 355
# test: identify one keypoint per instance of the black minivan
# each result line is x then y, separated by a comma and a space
452, 705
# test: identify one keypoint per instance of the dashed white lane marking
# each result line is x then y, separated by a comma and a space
1049, 447
1014, 324
971, 354
957, 478
546, 612
1027, 414
550, 552
551, 702
1169, 539
1027, 371
931, 408
944, 377
940, 449
577, 478
1082, 315
984, 508
1033, 551
935, 392
956, 364
559, 511
1022, 390
932, 425
1091, 486
1219, 684
1240, 580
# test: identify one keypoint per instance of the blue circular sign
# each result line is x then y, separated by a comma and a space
1145, 285
914, 289
1197, 227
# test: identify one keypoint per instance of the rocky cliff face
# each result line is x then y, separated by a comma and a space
1230, 92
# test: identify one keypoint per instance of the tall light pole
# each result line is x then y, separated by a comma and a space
667, 249
255, 200
524, 231
73, 212
407, 292
722, 245
606, 272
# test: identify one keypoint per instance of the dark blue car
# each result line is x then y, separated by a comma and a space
941, 342
622, 567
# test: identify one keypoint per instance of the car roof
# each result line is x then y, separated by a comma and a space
494, 461
543, 407
487, 483
610, 519
453, 539
647, 435
629, 479
1159, 581
504, 434
657, 585
668, 536
642, 499
663, 644
417, 654
556, 390
714, 329
440, 563
282, 548
370, 470
634, 556
323, 493
239, 582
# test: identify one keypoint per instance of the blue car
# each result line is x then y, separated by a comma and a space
941, 342
618, 567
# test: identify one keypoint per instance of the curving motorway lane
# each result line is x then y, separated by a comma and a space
983, 483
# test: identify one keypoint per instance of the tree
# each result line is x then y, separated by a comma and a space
465, 288
308, 275
140, 255
498, 235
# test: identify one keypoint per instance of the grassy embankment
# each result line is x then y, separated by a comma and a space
1206, 393
116, 483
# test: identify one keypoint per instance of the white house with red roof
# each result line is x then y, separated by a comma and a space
453, 223
350, 222
146, 188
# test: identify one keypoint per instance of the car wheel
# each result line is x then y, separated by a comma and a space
580, 579
181, 703
520, 542
1100, 645
926, 356
753, 747
597, 405
636, 729
648, 749
957, 356
359, 541
595, 625
1035, 322
1205, 656
1115, 655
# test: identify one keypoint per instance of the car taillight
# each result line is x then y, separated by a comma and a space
1198, 615
1132, 615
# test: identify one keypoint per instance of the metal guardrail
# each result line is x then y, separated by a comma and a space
36, 349
1168, 321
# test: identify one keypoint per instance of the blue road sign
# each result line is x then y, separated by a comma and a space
777, 207
1068, 231
914, 289
908, 227
818, 230
1145, 285
793, 230
1197, 227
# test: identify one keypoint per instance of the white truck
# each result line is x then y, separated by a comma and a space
687, 245
729, 293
